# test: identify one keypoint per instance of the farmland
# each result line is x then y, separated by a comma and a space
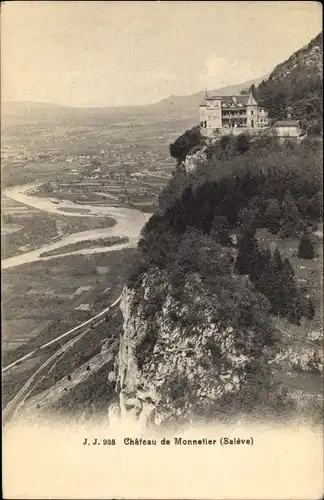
42, 302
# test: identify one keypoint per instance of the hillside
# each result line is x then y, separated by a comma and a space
297, 83
215, 290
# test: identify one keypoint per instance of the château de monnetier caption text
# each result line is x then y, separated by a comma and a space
175, 441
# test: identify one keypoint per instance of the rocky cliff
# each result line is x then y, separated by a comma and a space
297, 84
177, 364
177, 361
309, 57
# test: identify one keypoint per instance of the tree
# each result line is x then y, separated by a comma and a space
267, 278
48, 187
226, 144
290, 294
286, 297
310, 311
249, 219
316, 206
306, 249
183, 144
180, 148
242, 143
291, 224
220, 231
273, 215
248, 254
224, 141
259, 270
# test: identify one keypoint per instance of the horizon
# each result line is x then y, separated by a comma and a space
129, 105
198, 49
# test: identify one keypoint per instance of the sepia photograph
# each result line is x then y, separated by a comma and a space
162, 250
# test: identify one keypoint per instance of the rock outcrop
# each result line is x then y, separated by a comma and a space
299, 359
175, 361
193, 161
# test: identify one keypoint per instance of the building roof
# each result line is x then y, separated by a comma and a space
235, 100
251, 100
287, 123
232, 101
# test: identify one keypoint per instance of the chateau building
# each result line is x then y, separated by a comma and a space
237, 114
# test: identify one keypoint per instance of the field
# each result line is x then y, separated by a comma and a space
126, 144
81, 245
41, 303
79, 224
135, 192
24, 228
40, 299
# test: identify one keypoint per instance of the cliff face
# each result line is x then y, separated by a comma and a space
297, 83
177, 363
309, 57
193, 161
180, 362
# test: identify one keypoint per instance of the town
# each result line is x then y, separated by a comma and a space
110, 171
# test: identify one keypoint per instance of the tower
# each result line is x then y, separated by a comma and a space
202, 110
252, 119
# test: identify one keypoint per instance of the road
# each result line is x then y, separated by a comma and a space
294, 337
18, 400
69, 332
45, 398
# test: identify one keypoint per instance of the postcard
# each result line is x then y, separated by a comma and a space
162, 250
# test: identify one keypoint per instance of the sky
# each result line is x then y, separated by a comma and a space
114, 53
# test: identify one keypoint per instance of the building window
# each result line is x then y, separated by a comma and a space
252, 112
252, 123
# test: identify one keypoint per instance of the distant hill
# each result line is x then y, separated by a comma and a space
171, 108
297, 83
188, 104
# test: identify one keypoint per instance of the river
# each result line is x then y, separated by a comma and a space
129, 223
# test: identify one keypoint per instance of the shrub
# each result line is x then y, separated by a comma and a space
186, 142
242, 143
306, 249
273, 216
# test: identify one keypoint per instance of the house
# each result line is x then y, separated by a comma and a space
288, 128
237, 114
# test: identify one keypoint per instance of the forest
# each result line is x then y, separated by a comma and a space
208, 220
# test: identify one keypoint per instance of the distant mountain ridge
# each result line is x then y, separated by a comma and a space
172, 107
193, 100
295, 83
